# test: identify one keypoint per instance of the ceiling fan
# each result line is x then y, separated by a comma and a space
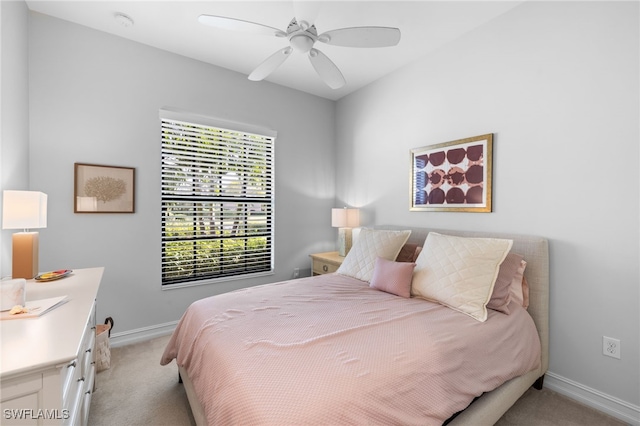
302, 35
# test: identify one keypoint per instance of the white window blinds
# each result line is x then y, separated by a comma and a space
217, 202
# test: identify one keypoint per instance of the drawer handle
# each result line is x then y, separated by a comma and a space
88, 351
325, 268
73, 364
81, 379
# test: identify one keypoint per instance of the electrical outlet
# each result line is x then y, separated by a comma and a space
296, 272
611, 347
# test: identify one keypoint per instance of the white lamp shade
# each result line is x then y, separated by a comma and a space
345, 218
24, 210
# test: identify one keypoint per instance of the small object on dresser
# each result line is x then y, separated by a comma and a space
54, 275
33, 308
18, 309
12, 292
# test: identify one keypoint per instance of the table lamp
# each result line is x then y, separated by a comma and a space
344, 219
24, 210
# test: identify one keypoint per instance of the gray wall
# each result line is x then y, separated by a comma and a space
557, 84
14, 110
95, 98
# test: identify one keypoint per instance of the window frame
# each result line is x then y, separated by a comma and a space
222, 201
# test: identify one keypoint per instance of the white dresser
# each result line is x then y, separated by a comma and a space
47, 367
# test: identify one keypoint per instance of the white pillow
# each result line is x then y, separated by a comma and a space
459, 272
371, 244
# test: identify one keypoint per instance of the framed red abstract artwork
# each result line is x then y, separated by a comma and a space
453, 176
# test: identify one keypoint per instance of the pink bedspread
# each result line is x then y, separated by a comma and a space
331, 350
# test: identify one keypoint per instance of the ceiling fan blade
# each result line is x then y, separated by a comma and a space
362, 37
240, 25
327, 70
270, 64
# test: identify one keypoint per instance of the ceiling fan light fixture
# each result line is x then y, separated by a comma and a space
301, 43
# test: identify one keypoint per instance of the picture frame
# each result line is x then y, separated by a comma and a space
103, 189
453, 176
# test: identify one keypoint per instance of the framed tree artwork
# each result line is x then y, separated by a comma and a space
453, 176
103, 189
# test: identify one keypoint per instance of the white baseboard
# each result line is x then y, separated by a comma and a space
142, 334
611, 405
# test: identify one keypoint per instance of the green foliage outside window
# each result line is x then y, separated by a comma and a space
216, 203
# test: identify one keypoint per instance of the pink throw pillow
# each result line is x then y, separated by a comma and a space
502, 291
520, 287
525, 293
392, 277
407, 253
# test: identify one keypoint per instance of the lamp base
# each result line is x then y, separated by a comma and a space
344, 241
25, 255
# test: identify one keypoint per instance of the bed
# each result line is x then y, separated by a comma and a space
333, 349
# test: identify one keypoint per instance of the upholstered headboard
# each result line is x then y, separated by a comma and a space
491, 406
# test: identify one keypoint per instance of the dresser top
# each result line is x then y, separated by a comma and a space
53, 338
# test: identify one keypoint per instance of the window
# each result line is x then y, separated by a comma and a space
217, 201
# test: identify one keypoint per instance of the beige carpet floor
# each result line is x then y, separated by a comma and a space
137, 390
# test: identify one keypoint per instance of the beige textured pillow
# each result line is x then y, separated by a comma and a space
371, 244
459, 272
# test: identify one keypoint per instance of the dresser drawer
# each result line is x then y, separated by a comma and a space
323, 267
24, 389
75, 403
325, 263
86, 398
70, 375
78, 377
88, 349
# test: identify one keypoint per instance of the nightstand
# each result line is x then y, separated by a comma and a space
325, 263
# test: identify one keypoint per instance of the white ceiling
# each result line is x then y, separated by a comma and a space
173, 26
